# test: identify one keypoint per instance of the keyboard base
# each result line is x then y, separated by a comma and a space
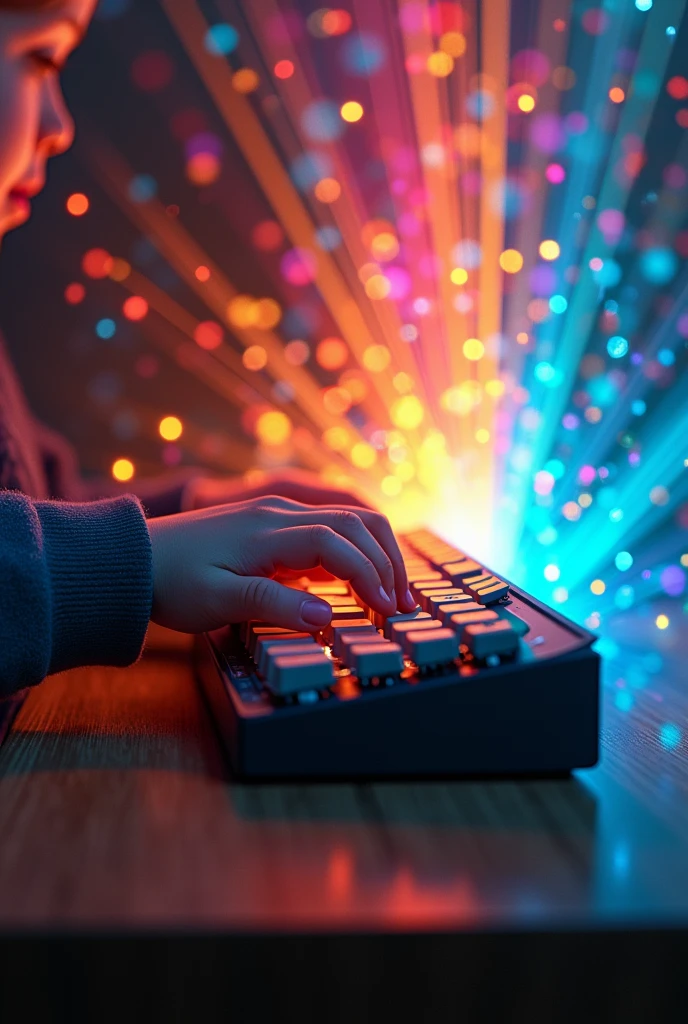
539, 721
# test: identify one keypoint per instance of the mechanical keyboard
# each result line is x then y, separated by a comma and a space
480, 680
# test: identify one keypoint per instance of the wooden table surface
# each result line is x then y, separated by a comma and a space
117, 814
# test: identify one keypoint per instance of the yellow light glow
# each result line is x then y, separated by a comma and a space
585, 500
597, 587
511, 261
617, 95
403, 383
122, 469
453, 43
458, 275
391, 486
407, 413
376, 358
378, 287
327, 190
363, 455
385, 246
273, 427
684, 560
255, 357
170, 428
351, 111
662, 621
494, 388
120, 270
482, 435
549, 249
526, 103
331, 353
405, 471
268, 314
440, 64
336, 438
522, 338
242, 311
473, 349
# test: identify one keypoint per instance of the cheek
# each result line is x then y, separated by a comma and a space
19, 116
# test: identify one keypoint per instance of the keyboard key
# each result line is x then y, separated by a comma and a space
289, 674
347, 626
347, 631
431, 647
257, 631
428, 587
383, 659
461, 620
445, 611
421, 575
484, 639
332, 589
400, 629
265, 650
446, 597
349, 611
348, 640
486, 588
401, 617
457, 571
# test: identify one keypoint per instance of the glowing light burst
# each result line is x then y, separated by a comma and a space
473, 252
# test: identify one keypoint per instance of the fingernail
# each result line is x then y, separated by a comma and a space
410, 598
316, 613
384, 595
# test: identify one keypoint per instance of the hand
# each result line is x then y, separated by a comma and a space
297, 484
215, 566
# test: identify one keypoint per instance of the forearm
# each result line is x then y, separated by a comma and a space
77, 586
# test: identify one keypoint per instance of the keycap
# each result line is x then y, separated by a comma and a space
401, 617
399, 629
486, 588
333, 589
457, 571
337, 600
428, 587
519, 625
435, 600
484, 639
347, 626
438, 557
348, 640
258, 631
459, 621
337, 642
266, 650
350, 611
444, 612
428, 574
248, 624
368, 660
431, 647
289, 674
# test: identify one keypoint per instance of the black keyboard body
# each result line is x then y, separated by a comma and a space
533, 713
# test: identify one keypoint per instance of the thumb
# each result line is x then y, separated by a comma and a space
257, 597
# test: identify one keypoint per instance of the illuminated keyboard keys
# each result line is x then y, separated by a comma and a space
444, 612
370, 659
339, 633
258, 631
350, 611
421, 591
431, 647
347, 626
434, 601
486, 639
399, 629
290, 673
266, 649
343, 640
462, 620
331, 589
458, 571
401, 617
421, 575
486, 588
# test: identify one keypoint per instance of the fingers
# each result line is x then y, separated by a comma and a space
306, 546
256, 597
371, 531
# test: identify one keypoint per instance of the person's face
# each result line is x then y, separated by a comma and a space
34, 121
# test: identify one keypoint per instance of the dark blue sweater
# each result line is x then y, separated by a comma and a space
75, 575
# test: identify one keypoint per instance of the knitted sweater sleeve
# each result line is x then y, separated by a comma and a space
76, 586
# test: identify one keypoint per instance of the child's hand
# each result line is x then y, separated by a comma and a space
213, 566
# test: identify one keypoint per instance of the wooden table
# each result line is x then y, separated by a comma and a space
128, 858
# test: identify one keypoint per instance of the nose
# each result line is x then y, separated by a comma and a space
56, 131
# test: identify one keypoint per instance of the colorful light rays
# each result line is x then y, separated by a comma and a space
473, 248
